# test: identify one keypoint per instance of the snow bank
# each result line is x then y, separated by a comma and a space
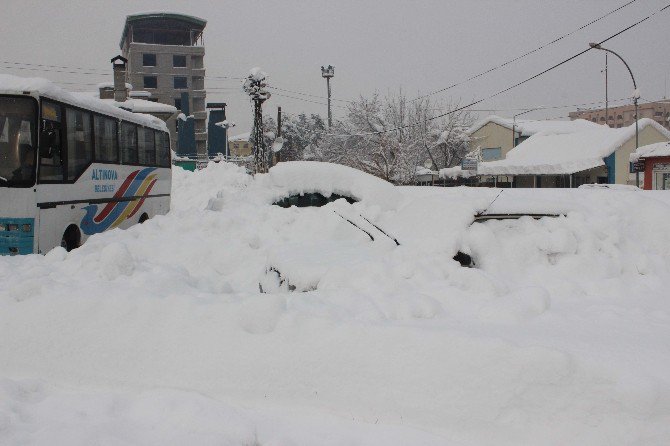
159, 334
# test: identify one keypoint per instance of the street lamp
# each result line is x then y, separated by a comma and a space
636, 95
327, 73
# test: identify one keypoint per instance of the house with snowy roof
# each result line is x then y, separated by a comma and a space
655, 158
597, 154
495, 136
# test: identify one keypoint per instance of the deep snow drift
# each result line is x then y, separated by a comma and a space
159, 334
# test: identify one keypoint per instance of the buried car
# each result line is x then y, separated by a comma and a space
346, 222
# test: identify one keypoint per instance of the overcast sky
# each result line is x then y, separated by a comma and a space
419, 46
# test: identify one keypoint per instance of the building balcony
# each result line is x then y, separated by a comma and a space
198, 72
198, 93
201, 136
200, 115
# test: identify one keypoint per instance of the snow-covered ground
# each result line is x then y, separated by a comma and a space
159, 334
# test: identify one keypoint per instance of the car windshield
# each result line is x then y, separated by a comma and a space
18, 141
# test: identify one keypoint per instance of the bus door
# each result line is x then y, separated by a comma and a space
51, 174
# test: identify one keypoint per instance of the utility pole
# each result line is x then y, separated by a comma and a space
607, 113
327, 73
256, 87
278, 154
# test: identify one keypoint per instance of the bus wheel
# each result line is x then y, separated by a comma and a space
71, 238
144, 217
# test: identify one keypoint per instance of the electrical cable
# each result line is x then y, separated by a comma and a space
553, 67
490, 70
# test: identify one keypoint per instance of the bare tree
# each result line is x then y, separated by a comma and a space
391, 137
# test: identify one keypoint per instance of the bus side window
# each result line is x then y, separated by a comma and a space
51, 157
79, 142
147, 152
105, 140
128, 142
162, 149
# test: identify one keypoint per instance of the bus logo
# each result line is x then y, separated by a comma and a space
138, 184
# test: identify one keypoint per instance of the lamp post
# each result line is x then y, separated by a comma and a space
327, 73
636, 95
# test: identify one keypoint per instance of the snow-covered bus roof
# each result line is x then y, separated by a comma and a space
42, 87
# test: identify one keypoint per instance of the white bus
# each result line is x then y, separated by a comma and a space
72, 166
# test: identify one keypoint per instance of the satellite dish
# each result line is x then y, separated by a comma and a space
278, 144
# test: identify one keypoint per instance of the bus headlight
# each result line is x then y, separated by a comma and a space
26, 228
12, 227
2, 227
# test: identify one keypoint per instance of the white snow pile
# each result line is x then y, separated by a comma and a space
159, 334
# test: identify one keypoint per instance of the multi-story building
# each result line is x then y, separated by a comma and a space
165, 53
624, 115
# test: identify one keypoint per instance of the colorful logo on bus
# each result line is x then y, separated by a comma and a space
123, 207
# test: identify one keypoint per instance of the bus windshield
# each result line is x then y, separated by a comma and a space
18, 141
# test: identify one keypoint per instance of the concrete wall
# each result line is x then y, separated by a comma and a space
492, 135
648, 135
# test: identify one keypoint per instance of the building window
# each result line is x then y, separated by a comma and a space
152, 99
619, 117
150, 82
594, 119
178, 61
491, 154
149, 60
180, 82
658, 113
177, 103
602, 118
619, 126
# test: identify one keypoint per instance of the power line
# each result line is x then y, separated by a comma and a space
536, 107
515, 85
525, 54
307, 100
308, 95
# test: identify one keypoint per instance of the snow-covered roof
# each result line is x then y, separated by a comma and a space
657, 149
240, 137
111, 85
140, 94
528, 127
301, 177
143, 106
134, 105
456, 172
554, 154
18, 85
